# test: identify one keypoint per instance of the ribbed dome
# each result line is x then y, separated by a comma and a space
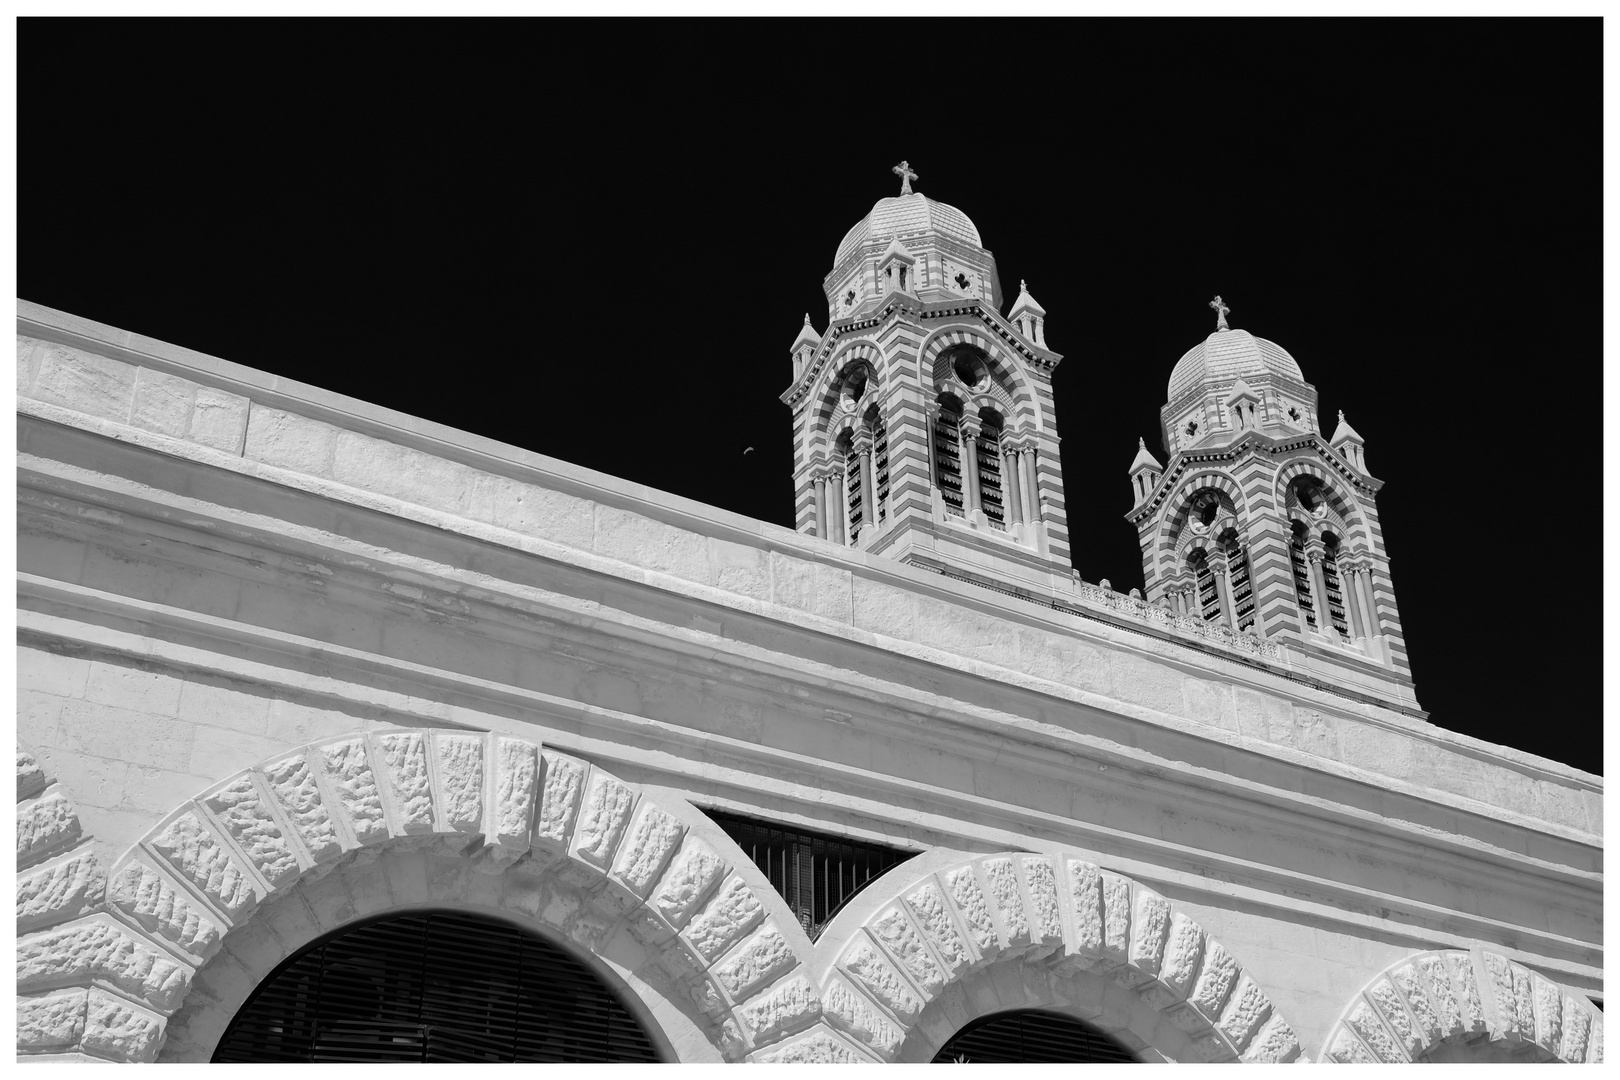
907, 215
1228, 355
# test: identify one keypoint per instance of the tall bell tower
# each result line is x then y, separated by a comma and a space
1256, 521
923, 423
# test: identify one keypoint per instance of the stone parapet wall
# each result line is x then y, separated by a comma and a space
597, 522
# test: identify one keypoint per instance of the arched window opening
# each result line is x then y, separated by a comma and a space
989, 455
443, 986
1209, 590
1031, 1036
1237, 563
969, 367
1205, 505
948, 454
1302, 575
1330, 582
880, 463
817, 874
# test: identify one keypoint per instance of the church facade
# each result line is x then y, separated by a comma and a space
297, 672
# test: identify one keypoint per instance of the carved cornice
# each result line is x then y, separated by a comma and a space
1253, 443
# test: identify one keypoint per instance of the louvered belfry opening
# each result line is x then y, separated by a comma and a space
435, 986
1335, 591
816, 874
1030, 1036
948, 456
1302, 578
990, 485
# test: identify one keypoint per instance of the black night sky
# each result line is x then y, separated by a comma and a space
596, 240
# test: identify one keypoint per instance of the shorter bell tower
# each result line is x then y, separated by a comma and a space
1256, 521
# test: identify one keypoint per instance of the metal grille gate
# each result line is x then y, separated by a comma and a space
433, 986
1030, 1036
816, 874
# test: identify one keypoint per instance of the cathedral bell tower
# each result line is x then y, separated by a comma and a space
923, 426
1256, 521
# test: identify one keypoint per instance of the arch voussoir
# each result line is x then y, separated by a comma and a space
230, 883
962, 936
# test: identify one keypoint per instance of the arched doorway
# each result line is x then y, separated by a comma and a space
433, 986
1031, 1035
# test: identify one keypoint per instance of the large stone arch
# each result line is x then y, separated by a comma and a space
948, 937
825, 416
1343, 504
634, 879
1457, 1005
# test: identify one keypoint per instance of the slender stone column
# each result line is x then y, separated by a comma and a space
1218, 566
932, 414
970, 464
1032, 487
835, 516
1324, 617
1364, 585
821, 506
1231, 592
1011, 487
863, 450
1354, 620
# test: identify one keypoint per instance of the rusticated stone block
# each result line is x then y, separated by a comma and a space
867, 967
1116, 895
763, 956
118, 1030
1183, 947
559, 801
1002, 882
1350, 1050
933, 917
1435, 978
30, 777
1499, 980
690, 876
404, 761
1085, 898
652, 838
43, 825
1594, 1043
818, 1046
197, 854
1409, 982
1363, 1020
850, 1010
461, 781
147, 897
965, 893
47, 1022
708, 998
1244, 1012
1275, 1042
517, 772
906, 946
61, 890
787, 1007
1040, 883
348, 773
1382, 993
292, 782
1524, 1008
1470, 1009
241, 810
99, 948
1577, 1029
1549, 1014
603, 814
1216, 977
1149, 930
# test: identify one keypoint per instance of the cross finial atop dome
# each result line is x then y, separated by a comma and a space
1220, 314
903, 171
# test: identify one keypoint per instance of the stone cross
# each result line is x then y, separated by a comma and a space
1220, 313
903, 171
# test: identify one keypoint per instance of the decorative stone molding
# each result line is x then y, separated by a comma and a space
1023, 929
542, 834
1214, 633
1454, 1005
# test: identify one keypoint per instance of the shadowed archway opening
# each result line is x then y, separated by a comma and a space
1030, 1035
433, 986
